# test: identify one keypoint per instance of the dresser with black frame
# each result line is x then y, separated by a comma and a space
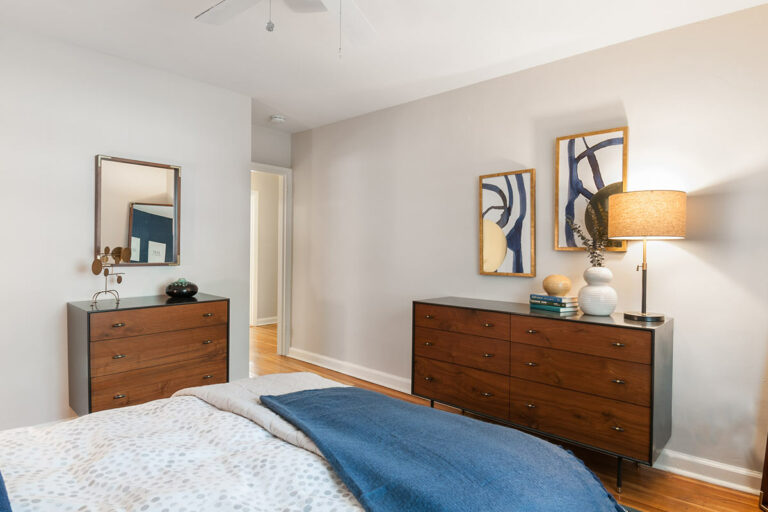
598, 382
144, 348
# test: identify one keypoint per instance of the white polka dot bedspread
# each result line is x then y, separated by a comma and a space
176, 455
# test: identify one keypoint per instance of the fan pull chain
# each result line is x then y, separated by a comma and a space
270, 26
340, 4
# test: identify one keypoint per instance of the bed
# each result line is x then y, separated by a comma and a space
232, 447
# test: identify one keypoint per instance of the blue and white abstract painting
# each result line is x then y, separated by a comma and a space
587, 163
507, 213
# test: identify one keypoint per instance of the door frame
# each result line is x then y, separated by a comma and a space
254, 268
284, 252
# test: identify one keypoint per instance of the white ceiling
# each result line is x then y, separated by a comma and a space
419, 48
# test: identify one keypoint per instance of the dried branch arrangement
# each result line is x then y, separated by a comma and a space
595, 246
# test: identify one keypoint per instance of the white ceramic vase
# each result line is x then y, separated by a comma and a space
598, 298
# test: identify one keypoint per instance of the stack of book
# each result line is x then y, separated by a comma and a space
564, 306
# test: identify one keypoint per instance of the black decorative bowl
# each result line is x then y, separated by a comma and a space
180, 300
181, 289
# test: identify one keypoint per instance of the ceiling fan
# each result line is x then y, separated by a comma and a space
357, 27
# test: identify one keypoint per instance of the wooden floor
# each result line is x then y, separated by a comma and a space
644, 488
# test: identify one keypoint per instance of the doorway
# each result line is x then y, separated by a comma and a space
270, 263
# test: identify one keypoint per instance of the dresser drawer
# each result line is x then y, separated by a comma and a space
124, 354
467, 321
614, 426
471, 389
135, 322
139, 386
610, 378
474, 351
614, 342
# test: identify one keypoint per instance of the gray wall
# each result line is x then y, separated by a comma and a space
270, 146
386, 212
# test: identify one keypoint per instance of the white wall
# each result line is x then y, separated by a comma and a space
386, 212
270, 146
264, 287
60, 106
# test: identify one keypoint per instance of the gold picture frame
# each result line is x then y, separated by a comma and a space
565, 186
507, 242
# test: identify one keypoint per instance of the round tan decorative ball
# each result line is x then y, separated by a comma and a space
557, 285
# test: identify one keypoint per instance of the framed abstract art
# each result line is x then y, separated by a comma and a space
508, 223
589, 167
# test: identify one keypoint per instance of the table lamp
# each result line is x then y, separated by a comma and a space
646, 215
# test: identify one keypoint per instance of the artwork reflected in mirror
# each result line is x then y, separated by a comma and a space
589, 167
150, 233
507, 223
137, 207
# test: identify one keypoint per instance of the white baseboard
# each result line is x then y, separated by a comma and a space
266, 321
718, 473
698, 468
355, 370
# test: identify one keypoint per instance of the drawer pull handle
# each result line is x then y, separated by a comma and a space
207, 376
120, 324
618, 381
531, 364
119, 356
617, 429
487, 355
118, 396
487, 325
617, 344
206, 315
530, 406
531, 331
428, 343
429, 317
207, 342
487, 395
429, 379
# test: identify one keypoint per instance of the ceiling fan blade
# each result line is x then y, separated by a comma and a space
224, 10
305, 5
356, 27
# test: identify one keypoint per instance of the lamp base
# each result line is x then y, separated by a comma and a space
643, 317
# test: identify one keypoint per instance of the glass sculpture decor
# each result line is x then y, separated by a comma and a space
507, 223
589, 168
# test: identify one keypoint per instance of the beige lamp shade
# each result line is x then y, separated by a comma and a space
649, 214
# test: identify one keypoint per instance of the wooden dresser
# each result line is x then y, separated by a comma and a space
144, 349
599, 382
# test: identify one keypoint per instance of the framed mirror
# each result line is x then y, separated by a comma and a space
137, 207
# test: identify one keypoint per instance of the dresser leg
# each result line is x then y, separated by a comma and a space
432, 404
618, 474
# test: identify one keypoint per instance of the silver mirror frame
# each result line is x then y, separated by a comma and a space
176, 209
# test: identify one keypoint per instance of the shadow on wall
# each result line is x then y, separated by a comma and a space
599, 117
726, 229
496, 164
546, 131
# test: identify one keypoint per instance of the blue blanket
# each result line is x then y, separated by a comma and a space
5, 505
398, 456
